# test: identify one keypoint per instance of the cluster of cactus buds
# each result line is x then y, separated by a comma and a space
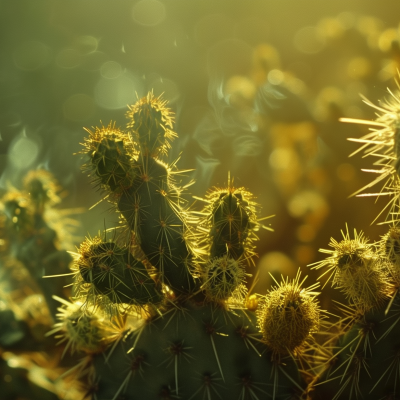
174, 279
166, 302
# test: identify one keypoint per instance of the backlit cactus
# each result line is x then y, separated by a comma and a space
109, 274
175, 279
34, 236
34, 233
358, 271
365, 358
289, 316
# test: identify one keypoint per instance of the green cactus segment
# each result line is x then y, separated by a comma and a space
389, 248
195, 353
230, 225
153, 211
116, 274
147, 125
111, 153
223, 276
390, 245
112, 164
366, 359
230, 217
151, 125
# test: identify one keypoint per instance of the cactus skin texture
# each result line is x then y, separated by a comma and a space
366, 359
195, 352
181, 323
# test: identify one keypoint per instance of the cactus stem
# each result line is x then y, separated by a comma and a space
343, 349
391, 301
249, 387
282, 370
207, 384
349, 361
394, 366
135, 365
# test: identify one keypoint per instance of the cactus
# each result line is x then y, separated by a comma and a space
162, 309
365, 345
32, 235
34, 232
161, 306
365, 358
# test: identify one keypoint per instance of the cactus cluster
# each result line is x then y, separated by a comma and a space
161, 306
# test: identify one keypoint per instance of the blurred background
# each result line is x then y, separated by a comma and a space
258, 88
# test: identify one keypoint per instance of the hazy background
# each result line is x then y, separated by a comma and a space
257, 88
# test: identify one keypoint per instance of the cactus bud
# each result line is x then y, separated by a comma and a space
84, 330
231, 219
151, 123
288, 315
114, 273
111, 152
357, 271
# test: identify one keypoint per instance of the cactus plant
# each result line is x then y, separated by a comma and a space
32, 235
365, 346
162, 309
364, 362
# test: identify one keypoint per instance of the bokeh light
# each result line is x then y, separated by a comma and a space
115, 93
31, 55
79, 107
148, 12
23, 152
68, 58
309, 40
111, 70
